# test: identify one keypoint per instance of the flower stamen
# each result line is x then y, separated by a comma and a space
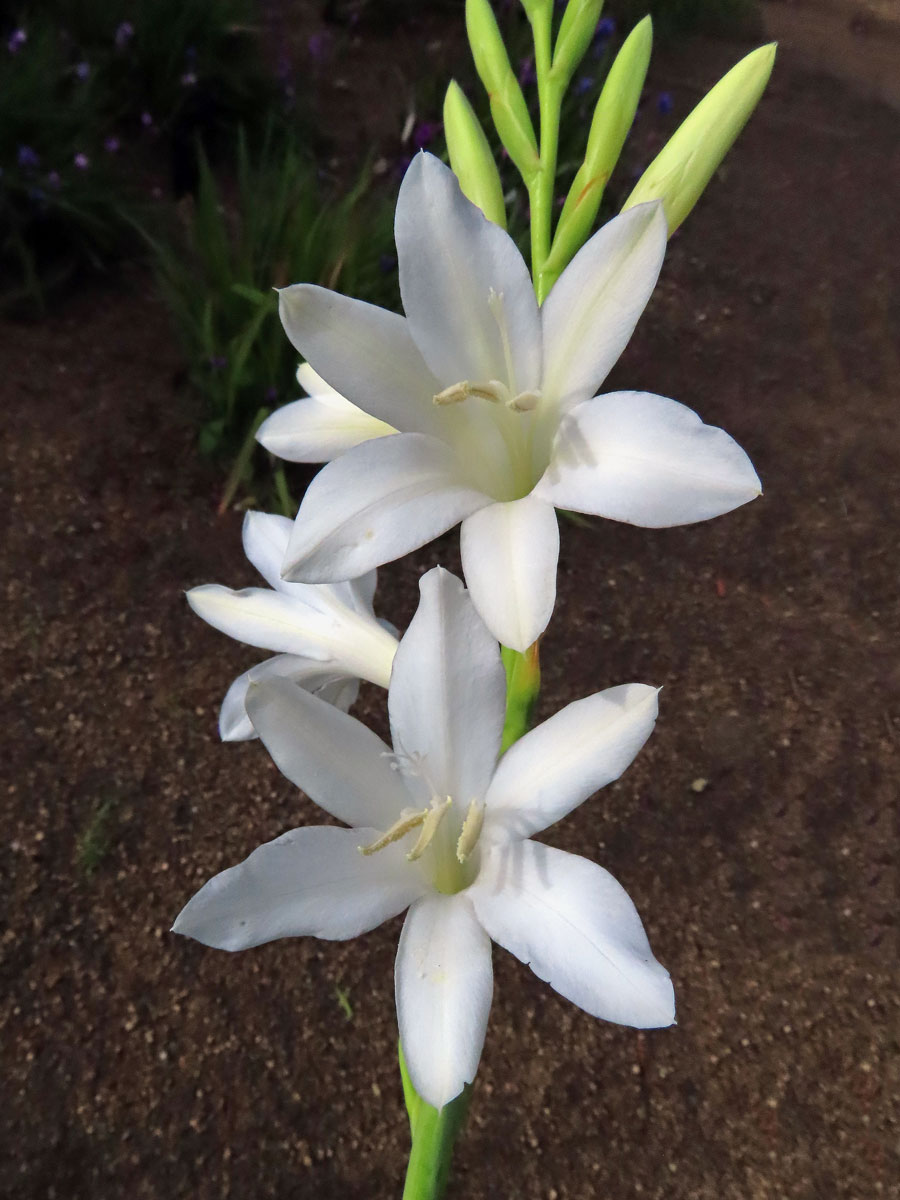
432, 819
525, 401
493, 391
495, 304
407, 822
471, 831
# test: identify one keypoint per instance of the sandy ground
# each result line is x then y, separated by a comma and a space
756, 832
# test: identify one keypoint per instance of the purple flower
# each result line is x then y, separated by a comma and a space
218, 362
319, 46
424, 133
146, 120
583, 84
387, 263
664, 103
83, 70
188, 79
271, 395
81, 161
53, 180
27, 157
16, 41
527, 73
605, 28
111, 145
124, 34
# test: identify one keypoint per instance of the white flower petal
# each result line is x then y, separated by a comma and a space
339, 690
313, 430
451, 259
314, 385
309, 881
376, 503
444, 982
366, 353
447, 697
359, 594
594, 306
640, 458
576, 927
349, 643
335, 759
556, 766
260, 617
265, 537
509, 556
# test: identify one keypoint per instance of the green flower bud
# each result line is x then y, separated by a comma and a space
508, 107
612, 119
686, 163
534, 8
470, 156
575, 32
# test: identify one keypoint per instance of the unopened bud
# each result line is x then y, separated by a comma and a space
508, 107
577, 28
686, 163
612, 119
470, 156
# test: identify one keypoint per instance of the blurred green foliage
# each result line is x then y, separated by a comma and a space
92, 97
218, 266
63, 201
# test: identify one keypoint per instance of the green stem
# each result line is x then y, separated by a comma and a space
433, 1134
540, 192
242, 461
286, 501
523, 682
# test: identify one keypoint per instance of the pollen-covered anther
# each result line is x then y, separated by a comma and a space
433, 818
407, 822
471, 831
494, 391
525, 401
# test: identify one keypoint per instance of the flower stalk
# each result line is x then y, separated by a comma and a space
523, 682
433, 1134
540, 187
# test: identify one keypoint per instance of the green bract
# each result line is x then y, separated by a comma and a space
685, 165
470, 156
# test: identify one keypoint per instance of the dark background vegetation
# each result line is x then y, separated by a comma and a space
228, 147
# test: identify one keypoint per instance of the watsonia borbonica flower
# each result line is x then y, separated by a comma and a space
493, 400
441, 827
328, 634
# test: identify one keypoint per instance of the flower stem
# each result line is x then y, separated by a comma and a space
433, 1134
540, 192
523, 682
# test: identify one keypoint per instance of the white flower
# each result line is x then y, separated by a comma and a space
328, 634
320, 426
493, 400
441, 827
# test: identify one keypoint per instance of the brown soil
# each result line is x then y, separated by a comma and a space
756, 831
